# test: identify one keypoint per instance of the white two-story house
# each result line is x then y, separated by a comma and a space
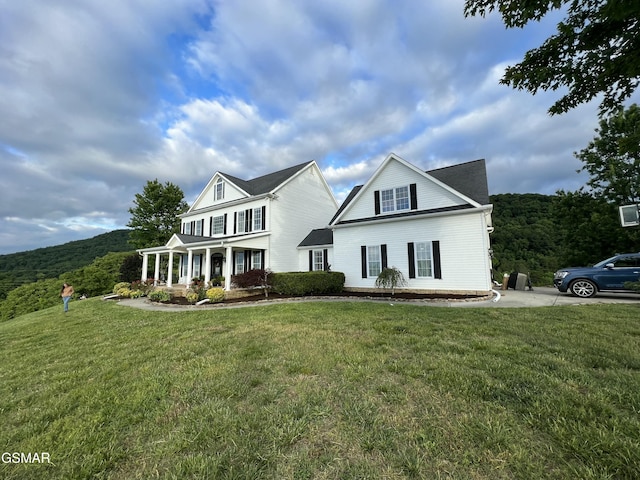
239, 225
433, 226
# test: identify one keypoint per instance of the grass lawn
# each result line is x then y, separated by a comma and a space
322, 391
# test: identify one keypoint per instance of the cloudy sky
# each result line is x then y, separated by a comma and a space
97, 97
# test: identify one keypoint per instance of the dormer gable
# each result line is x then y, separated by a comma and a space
398, 188
223, 187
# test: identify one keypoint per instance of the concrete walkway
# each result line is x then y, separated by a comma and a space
538, 297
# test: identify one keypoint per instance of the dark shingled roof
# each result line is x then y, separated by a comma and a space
319, 236
266, 183
346, 202
468, 178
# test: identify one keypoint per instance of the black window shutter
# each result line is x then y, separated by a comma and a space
325, 256
247, 260
437, 267
235, 222
261, 259
211, 226
414, 196
248, 220
363, 260
412, 260
311, 260
383, 254
193, 227
376, 201
264, 217
234, 263
224, 228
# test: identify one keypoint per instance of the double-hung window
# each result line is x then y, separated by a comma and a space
374, 261
187, 228
240, 221
424, 259
256, 259
318, 260
218, 225
394, 199
198, 226
257, 219
218, 192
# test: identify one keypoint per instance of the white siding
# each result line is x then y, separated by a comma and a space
303, 204
430, 195
464, 249
303, 257
206, 198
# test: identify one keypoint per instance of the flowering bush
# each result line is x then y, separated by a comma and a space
215, 294
136, 294
192, 297
144, 287
120, 287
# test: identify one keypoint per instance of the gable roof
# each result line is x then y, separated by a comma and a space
468, 178
265, 183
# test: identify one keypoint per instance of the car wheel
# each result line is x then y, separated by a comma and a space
583, 288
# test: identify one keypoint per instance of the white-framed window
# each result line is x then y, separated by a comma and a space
394, 199
187, 228
218, 190
239, 262
218, 225
424, 259
257, 219
240, 221
256, 259
318, 260
198, 228
374, 261
196, 266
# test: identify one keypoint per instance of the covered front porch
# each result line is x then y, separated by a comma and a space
205, 257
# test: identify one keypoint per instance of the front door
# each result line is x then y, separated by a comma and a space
216, 265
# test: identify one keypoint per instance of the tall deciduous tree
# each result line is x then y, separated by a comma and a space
612, 158
590, 216
594, 51
154, 218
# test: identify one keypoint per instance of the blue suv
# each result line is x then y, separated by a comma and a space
609, 274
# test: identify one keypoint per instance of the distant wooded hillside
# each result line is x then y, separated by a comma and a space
24, 267
527, 237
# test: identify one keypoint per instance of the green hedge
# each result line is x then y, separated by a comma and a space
306, 283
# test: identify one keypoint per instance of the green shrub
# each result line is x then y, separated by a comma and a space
391, 278
159, 296
136, 294
120, 285
307, 283
192, 297
215, 294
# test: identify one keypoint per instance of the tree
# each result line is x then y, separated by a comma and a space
155, 215
612, 158
594, 51
589, 216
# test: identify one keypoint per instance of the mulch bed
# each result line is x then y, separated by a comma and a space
355, 295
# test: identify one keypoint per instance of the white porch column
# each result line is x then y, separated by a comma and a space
228, 268
207, 267
156, 272
189, 267
170, 270
145, 267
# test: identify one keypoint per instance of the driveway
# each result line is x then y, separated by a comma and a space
550, 297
